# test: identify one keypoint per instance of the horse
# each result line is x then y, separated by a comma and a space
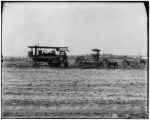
110, 63
143, 62
131, 63
115, 64
127, 62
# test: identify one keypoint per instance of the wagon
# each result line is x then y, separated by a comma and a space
52, 56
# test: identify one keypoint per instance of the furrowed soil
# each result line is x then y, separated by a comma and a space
73, 93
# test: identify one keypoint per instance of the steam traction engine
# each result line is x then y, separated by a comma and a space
52, 56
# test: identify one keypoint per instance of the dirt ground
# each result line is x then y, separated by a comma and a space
73, 93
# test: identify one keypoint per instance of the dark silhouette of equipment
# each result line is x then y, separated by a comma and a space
53, 56
83, 62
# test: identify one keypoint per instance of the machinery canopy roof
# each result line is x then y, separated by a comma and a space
96, 49
47, 47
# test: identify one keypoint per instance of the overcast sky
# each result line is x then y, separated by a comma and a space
116, 28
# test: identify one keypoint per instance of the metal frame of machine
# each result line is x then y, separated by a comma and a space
53, 56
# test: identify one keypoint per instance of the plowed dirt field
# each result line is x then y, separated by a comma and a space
73, 93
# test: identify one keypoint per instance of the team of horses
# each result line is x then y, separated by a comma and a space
108, 63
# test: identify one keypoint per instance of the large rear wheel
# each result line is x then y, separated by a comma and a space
51, 62
66, 64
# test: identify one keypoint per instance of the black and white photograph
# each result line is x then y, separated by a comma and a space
74, 60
